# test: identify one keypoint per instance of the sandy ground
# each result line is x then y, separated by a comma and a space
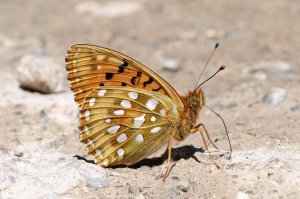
257, 95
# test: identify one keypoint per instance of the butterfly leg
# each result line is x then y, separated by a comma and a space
169, 155
198, 129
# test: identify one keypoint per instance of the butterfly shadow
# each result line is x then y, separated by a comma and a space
185, 152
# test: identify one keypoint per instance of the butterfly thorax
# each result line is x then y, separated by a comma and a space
193, 103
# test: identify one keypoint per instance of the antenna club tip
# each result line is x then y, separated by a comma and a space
217, 45
222, 67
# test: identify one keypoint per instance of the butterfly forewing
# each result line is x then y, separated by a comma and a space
90, 67
122, 125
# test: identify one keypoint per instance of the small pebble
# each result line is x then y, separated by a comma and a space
242, 195
140, 196
275, 96
134, 189
175, 178
295, 107
19, 151
170, 64
174, 192
159, 176
183, 186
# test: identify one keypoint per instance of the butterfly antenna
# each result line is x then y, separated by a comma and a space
222, 67
211, 54
224, 127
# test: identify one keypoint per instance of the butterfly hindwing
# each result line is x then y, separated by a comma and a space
90, 67
118, 123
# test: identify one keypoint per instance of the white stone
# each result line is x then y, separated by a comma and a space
113, 129
101, 92
92, 101
126, 104
133, 95
138, 121
151, 104
119, 112
155, 129
242, 195
42, 74
275, 96
108, 9
122, 138
139, 138
170, 64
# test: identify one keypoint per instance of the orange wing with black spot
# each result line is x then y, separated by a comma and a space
90, 67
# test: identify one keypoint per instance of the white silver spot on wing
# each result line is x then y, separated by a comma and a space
113, 129
99, 154
126, 104
87, 115
92, 101
101, 92
133, 95
155, 129
122, 138
119, 112
107, 121
120, 153
139, 138
153, 118
175, 111
86, 130
163, 112
90, 142
138, 121
151, 104
105, 162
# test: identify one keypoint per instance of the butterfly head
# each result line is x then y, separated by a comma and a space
196, 100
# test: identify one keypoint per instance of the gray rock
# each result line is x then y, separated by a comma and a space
174, 192
37, 73
134, 189
275, 96
55, 174
183, 186
295, 107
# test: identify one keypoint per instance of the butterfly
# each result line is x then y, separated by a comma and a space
127, 111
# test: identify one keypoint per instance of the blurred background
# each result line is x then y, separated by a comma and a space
257, 94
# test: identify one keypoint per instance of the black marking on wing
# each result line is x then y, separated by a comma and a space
123, 84
150, 80
122, 67
133, 79
108, 75
156, 89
